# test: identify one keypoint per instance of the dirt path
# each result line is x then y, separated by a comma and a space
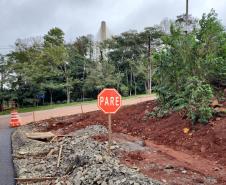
70, 110
165, 164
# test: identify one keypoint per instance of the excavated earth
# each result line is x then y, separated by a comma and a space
143, 149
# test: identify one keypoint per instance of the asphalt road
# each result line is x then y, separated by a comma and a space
6, 164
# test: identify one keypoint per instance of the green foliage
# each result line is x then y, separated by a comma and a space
100, 75
124, 90
54, 37
187, 68
198, 95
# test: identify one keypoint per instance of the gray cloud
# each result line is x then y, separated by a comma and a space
28, 18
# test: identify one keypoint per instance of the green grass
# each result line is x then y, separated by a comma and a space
53, 106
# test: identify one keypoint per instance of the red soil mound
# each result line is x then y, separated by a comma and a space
207, 141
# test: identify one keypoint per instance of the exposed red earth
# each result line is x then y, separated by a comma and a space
170, 155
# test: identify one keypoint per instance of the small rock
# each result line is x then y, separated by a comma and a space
214, 103
164, 180
218, 119
216, 169
114, 147
169, 166
103, 183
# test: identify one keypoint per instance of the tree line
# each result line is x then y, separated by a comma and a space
73, 71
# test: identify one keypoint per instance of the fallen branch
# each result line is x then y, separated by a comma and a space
51, 152
59, 156
53, 139
60, 136
66, 136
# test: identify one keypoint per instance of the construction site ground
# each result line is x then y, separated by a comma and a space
158, 148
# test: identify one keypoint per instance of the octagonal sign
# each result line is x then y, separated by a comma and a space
109, 100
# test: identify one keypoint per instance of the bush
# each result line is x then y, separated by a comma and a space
124, 90
198, 95
193, 96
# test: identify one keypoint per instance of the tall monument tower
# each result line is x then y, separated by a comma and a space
103, 31
102, 35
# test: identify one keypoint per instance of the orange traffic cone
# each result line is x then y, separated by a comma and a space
15, 120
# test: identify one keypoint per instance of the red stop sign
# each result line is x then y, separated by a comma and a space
109, 100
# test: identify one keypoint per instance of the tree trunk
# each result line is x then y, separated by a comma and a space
68, 95
127, 79
68, 90
101, 55
83, 78
131, 82
51, 97
1, 100
149, 66
135, 85
118, 86
145, 86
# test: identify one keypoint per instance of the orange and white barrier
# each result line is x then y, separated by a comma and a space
15, 120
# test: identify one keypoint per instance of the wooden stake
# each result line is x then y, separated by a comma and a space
33, 116
59, 156
82, 110
109, 134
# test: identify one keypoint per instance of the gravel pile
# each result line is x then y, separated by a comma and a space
84, 161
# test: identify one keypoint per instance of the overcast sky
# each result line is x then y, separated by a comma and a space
29, 18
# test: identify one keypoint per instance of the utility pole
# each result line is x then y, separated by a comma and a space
186, 16
149, 65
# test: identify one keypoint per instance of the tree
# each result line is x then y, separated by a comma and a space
3, 78
55, 55
83, 47
125, 53
151, 38
187, 66
24, 64
54, 37
211, 49
101, 75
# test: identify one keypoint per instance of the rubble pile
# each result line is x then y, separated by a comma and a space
76, 159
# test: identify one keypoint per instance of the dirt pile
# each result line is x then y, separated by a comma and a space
205, 140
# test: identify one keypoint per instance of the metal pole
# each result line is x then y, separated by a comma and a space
186, 16
109, 134
187, 8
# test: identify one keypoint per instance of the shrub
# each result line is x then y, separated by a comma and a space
193, 96
198, 95
124, 90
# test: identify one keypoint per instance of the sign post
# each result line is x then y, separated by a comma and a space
109, 133
109, 101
